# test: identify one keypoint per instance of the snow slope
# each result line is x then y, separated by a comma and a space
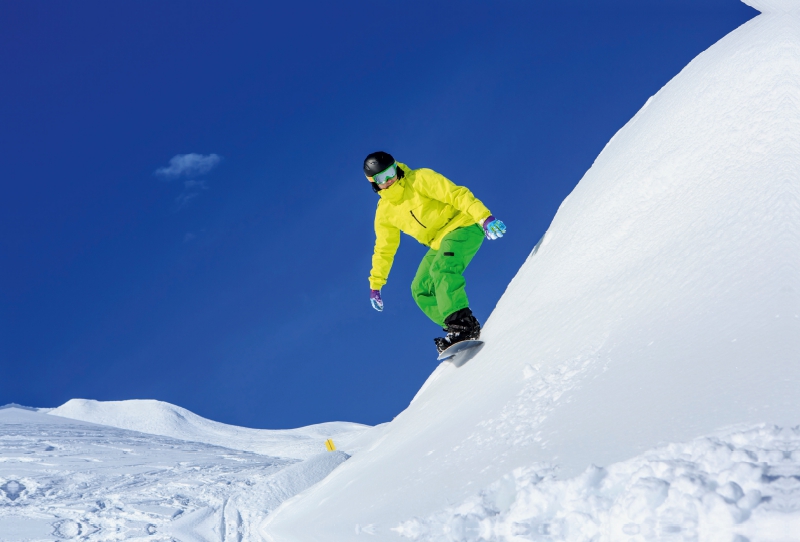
64, 479
660, 307
160, 418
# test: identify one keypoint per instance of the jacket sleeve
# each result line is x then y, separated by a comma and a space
437, 186
387, 239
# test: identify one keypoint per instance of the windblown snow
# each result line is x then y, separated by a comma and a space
639, 380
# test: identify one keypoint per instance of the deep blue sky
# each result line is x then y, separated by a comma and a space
248, 303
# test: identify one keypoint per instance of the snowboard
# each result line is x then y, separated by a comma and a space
461, 352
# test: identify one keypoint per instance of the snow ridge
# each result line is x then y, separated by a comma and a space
165, 419
771, 6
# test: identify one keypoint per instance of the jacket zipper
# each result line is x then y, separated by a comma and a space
417, 219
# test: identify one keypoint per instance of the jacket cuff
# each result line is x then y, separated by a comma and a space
376, 285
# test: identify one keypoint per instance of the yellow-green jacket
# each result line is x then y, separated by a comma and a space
427, 206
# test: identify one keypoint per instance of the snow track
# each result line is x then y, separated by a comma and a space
63, 479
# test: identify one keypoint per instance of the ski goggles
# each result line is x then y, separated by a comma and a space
385, 175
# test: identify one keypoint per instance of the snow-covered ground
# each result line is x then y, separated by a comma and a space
64, 479
732, 487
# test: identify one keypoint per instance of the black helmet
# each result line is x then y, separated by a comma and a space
377, 162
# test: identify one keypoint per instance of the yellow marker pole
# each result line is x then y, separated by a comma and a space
330, 446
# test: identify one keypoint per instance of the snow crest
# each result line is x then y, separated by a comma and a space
771, 6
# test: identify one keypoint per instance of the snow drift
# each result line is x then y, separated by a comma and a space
661, 306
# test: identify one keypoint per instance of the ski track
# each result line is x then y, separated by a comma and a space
69, 480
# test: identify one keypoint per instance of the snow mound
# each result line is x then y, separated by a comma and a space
20, 407
165, 419
662, 304
744, 484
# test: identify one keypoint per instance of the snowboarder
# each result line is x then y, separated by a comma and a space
440, 215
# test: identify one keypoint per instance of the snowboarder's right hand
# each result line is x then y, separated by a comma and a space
493, 228
375, 299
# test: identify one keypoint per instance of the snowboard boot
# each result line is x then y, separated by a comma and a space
442, 344
460, 326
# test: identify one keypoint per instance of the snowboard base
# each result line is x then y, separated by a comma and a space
461, 352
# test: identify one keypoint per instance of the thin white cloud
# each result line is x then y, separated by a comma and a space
195, 185
191, 189
188, 165
184, 199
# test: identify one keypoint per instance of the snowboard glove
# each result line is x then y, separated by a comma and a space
493, 228
375, 299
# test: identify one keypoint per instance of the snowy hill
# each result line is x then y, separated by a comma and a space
64, 479
660, 307
160, 418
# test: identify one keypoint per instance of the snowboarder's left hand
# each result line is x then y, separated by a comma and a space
493, 228
375, 299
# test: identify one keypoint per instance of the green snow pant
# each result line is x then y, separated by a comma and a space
438, 287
